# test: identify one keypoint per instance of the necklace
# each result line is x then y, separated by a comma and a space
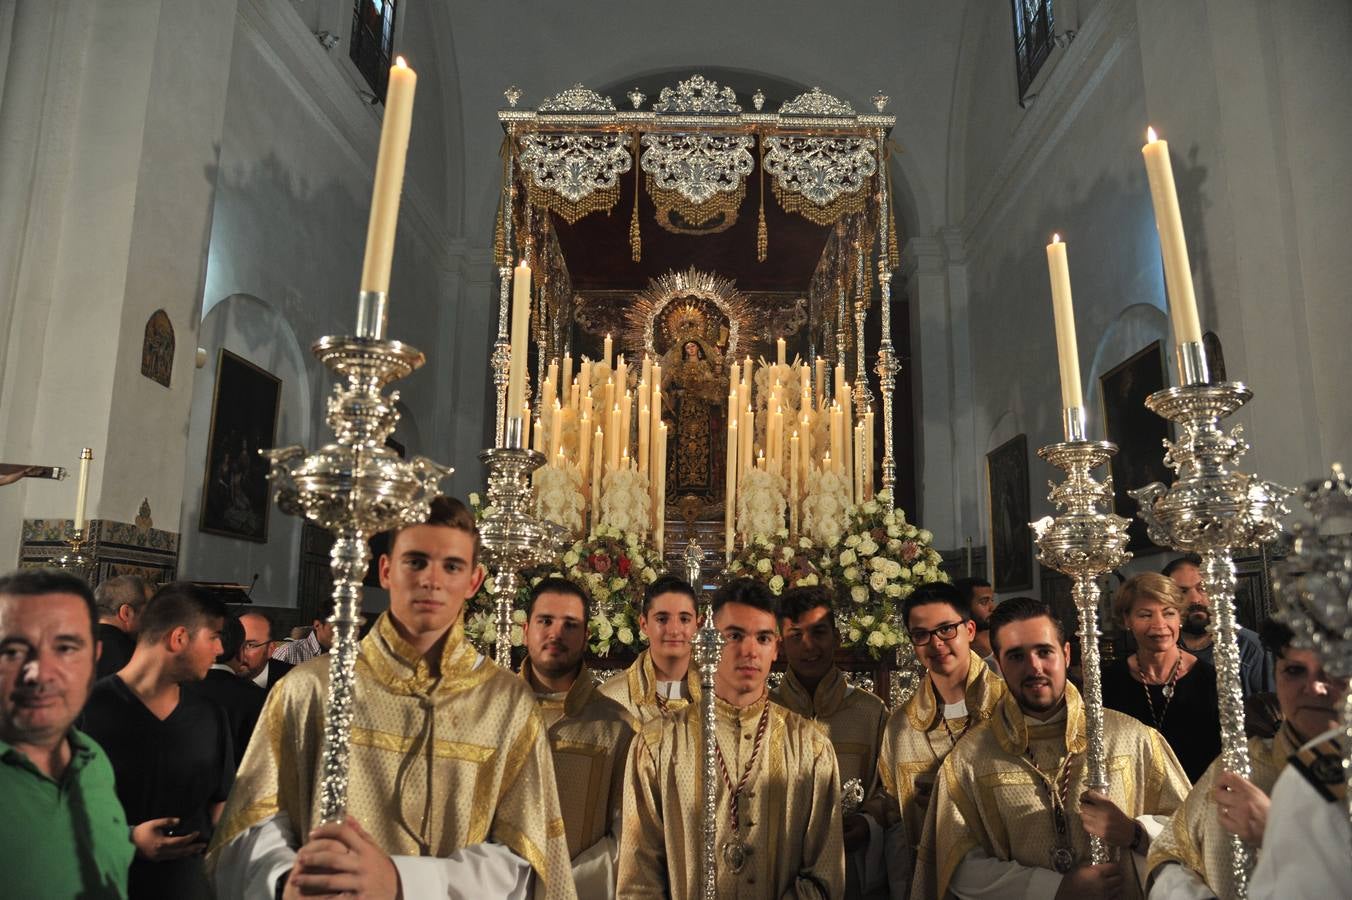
736, 851
1057, 788
953, 739
1167, 690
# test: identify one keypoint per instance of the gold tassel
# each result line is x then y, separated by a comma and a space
635, 237
762, 233
893, 248
499, 241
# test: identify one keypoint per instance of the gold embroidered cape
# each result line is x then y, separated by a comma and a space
589, 735
1194, 837
915, 742
439, 760
789, 814
636, 690
988, 796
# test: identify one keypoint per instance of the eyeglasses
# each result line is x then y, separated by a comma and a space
255, 645
945, 632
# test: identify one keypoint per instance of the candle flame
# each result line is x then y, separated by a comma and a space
1056, 238
1150, 134
399, 61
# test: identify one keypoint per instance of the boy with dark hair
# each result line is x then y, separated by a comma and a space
980, 597
779, 831
171, 748
853, 719
958, 692
588, 732
241, 699
451, 780
661, 680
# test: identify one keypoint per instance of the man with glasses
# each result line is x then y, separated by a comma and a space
255, 662
958, 692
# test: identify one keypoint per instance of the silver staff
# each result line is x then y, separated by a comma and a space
1084, 541
1212, 508
355, 488
708, 649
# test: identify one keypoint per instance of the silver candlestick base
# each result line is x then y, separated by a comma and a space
1083, 541
513, 537
707, 650
355, 487
1314, 589
1211, 509
74, 559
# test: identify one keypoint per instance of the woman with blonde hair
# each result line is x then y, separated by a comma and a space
1161, 684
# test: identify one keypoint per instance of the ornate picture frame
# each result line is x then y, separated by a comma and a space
245, 405
1008, 511
1138, 433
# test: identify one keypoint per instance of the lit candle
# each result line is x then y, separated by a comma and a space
1067, 351
389, 179
516, 376
644, 428
626, 418
660, 494
821, 382
551, 381
646, 375
598, 477
566, 376
1173, 245
746, 424
584, 447
82, 491
760, 459
609, 349
613, 439
730, 491
556, 430
793, 483
537, 440
656, 413
777, 462
780, 352
746, 372
622, 373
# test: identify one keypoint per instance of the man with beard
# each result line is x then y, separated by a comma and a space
1255, 669
63, 825
170, 748
853, 719
1011, 815
588, 732
959, 692
1191, 857
661, 681
778, 811
255, 661
980, 597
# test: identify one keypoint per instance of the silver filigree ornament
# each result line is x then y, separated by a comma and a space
758, 99
697, 94
636, 97
821, 169
698, 166
513, 95
577, 99
816, 102
575, 166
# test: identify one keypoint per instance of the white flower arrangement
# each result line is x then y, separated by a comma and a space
826, 507
558, 497
624, 501
781, 563
761, 503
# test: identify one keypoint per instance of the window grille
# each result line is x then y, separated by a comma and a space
1033, 40
372, 41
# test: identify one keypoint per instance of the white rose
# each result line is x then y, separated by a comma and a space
807, 581
859, 594
649, 575
848, 558
926, 536
624, 636
473, 499
855, 634
867, 547
805, 543
851, 574
776, 584
878, 564
893, 590
638, 560
893, 531
876, 639
604, 630
867, 621
870, 507
571, 559
893, 569
787, 553
763, 566
518, 636
877, 581
618, 584
519, 616
852, 541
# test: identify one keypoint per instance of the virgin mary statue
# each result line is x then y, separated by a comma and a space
694, 401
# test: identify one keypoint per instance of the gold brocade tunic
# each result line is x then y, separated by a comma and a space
439, 760
915, 742
1194, 837
988, 796
852, 719
788, 817
589, 735
636, 690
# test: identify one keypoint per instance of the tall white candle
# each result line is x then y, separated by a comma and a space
1063, 313
1173, 245
82, 490
389, 178
516, 374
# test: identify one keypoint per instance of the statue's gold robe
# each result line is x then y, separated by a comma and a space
988, 798
440, 759
788, 816
915, 742
1194, 837
636, 690
589, 735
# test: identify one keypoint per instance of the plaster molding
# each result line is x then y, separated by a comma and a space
1081, 68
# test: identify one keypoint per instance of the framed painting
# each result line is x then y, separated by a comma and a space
244, 409
1138, 433
1011, 537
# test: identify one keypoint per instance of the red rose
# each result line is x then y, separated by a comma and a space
600, 563
625, 566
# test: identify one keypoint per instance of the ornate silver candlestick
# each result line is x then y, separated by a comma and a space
708, 650
74, 559
1314, 588
513, 538
1211, 509
355, 488
1085, 540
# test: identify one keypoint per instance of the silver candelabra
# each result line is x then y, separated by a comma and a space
707, 650
354, 487
1210, 509
1083, 541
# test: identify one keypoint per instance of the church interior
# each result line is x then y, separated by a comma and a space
187, 188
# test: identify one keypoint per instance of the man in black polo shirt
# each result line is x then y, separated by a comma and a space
171, 749
120, 601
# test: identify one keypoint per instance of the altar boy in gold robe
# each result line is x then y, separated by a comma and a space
778, 812
662, 680
450, 778
1011, 815
1191, 856
852, 718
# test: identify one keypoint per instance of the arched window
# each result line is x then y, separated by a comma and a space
1032, 40
373, 41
